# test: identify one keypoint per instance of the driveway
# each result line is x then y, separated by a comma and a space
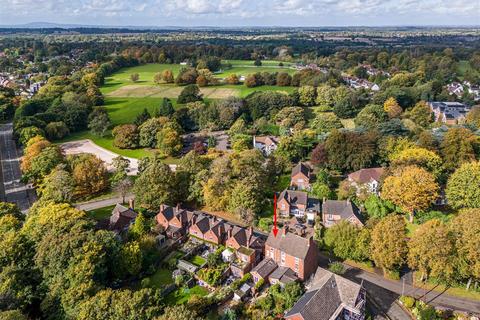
107, 156
12, 189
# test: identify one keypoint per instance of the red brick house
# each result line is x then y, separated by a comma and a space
293, 251
301, 176
174, 220
297, 203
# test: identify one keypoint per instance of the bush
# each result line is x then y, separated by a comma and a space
336, 267
125, 136
56, 130
407, 301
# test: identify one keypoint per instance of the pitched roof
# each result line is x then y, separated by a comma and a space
121, 218
301, 168
365, 175
265, 267
284, 275
329, 295
344, 208
294, 197
267, 140
290, 243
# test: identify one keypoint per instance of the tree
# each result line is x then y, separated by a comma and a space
232, 79
283, 79
121, 168
166, 108
321, 190
44, 163
134, 77
325, 97
142, 117
157, 78
169, 142
319, 155
431, 250
389, 245
28, 133
99, 122
420, 157
167, 76
458, 147
58, 186
378, 208
125, 136
56, 130
342, 239
473, 117
11, 209
257, 62
155, 185
466, 227
411, 188
148, 131
371, 116
190, 93
325, 122
307, 95
392, 108
290, 117
123, 187
186, 76
90, 174
253, 80
140, 228
179, 312
463, 186
421, 114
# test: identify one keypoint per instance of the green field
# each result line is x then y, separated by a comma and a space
160, 278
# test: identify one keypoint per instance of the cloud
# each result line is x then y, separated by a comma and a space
222, 11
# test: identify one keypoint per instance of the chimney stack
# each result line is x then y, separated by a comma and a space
131, 204
229, 233
284, 231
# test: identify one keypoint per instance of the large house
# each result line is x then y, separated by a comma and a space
248, 247
331, 297
301, 176
449, 112
334, 211
366, 180
287, 250
298, 203
266, 144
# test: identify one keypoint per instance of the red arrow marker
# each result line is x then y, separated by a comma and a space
275, 230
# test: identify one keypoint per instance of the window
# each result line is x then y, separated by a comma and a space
271, 253
282, 259
297, 264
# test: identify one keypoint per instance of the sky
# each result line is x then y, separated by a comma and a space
232, 13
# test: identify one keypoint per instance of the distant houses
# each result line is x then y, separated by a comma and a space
331, 297
449, 112
358, 83
459, 89
266, 144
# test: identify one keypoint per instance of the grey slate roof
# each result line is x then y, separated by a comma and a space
121, 218
343, 208
289, 243
301, 167
265, 267
284, 275
329, 295
294, 197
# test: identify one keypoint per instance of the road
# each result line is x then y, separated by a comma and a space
97, 204
12, 189
386, 292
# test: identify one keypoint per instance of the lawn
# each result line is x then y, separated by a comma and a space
182, 295
100, 214
197, 260
160, 278
454, 291
124, 110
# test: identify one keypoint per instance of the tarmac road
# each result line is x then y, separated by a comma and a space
12, 189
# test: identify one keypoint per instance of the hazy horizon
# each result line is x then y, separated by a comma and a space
243, 13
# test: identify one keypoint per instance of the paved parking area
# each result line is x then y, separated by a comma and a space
12, 189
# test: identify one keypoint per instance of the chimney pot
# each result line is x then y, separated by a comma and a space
285, 230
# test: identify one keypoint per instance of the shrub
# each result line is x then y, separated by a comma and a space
407, 301
336, 267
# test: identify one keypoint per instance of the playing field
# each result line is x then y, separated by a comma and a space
147, 72
170, 91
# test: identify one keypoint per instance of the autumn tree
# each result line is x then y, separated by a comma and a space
167, 76
420, 157
411, 188
157, 78
466, 228
41, 165
463, 186
232, 79
89, 173
134, 77
389, 244
58, 186
458, 147
179, 312
125, 136
169, 141
473, 116
431, 250
325, 122
421, 114
371, 116
392, 108
283, 79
